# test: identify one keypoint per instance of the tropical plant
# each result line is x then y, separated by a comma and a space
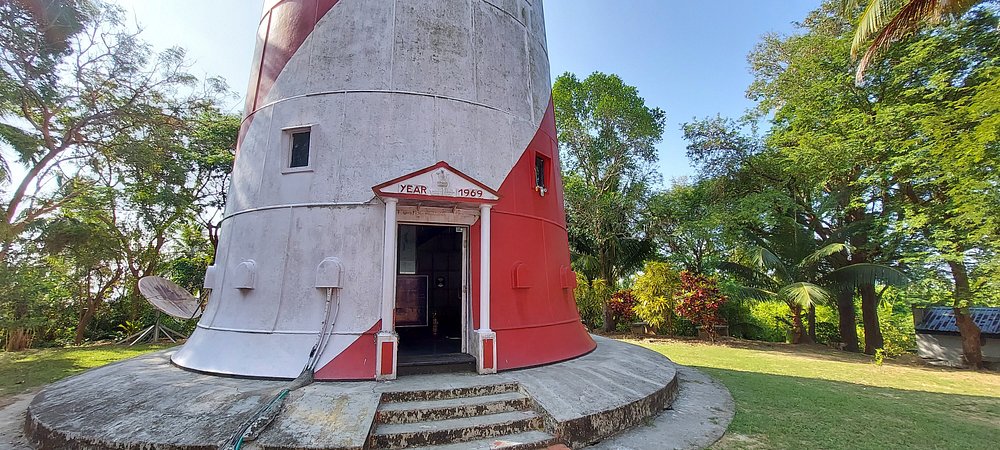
883, 22
789, 265
591, 296
765, 276
700, 301
621, 305
655, 289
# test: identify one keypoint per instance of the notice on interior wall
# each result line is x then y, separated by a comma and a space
411, 301
407, 249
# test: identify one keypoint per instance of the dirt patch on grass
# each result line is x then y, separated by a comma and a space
741, 441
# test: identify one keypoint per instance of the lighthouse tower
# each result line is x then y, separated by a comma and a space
396, 196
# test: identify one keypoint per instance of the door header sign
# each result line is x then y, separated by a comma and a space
439, 182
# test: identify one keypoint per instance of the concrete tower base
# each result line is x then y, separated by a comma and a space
148, 403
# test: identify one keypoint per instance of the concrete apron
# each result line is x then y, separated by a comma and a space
146, 402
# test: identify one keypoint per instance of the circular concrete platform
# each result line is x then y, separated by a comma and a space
146, 403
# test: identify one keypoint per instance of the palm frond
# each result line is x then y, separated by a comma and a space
752, 294
904, 23
585, 264
762, 256
26, 145
873, 19
855, 275
824, 252
748, 276
804, 294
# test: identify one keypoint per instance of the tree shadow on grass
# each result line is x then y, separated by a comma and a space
817, 351
776, 411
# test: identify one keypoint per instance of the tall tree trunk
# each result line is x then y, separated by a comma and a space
81, 325
799, 334
812, 322
18, 339
848, 319
972, 345
869, 317
609, 318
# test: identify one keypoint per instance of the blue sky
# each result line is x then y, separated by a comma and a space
686, 57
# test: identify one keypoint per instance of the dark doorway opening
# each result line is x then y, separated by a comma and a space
429, 296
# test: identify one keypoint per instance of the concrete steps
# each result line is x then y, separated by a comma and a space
498, 416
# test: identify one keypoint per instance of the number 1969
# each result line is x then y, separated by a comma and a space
477, 193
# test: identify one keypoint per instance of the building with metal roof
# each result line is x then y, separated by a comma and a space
939, 341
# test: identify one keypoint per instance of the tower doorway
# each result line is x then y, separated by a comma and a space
431, 293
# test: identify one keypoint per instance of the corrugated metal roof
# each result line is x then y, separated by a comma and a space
942, 319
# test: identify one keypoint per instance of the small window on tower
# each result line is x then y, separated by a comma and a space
541, 169
300, 149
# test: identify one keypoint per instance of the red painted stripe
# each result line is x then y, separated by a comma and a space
488, 353
356, 362
531, 230
284, 26
387, 363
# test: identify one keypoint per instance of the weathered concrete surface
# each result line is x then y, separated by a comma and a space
148, 403
698, 417
12, 411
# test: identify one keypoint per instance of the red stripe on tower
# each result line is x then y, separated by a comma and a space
283, 28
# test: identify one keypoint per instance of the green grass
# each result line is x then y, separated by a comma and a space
812, 397
23, 371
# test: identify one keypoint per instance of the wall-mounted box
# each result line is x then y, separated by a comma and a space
211, 277
245, 275
567, 277
328, 273
521, 276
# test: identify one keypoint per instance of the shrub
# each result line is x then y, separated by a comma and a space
590, 299
621, 304
699, 301
897, 333
655, 291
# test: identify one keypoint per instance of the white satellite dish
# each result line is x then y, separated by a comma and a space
170, 298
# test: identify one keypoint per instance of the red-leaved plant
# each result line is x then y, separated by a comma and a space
699, 301
621, 305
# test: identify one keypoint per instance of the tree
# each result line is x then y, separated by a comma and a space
656, 288
84, 253
71, 79
119, 148
892, 20
607, 135
949, 188
684, 221
829, 136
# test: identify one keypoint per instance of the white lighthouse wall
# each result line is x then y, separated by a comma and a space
387, 88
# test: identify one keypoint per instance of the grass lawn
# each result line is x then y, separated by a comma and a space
813, 397
23, 371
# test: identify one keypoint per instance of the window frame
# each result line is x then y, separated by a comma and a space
546, 174
287, 140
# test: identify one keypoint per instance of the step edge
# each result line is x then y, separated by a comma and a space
527, 415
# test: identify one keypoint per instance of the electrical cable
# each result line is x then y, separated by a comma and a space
259, 421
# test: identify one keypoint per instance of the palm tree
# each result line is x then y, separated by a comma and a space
891, 20
788, 265
763, 275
